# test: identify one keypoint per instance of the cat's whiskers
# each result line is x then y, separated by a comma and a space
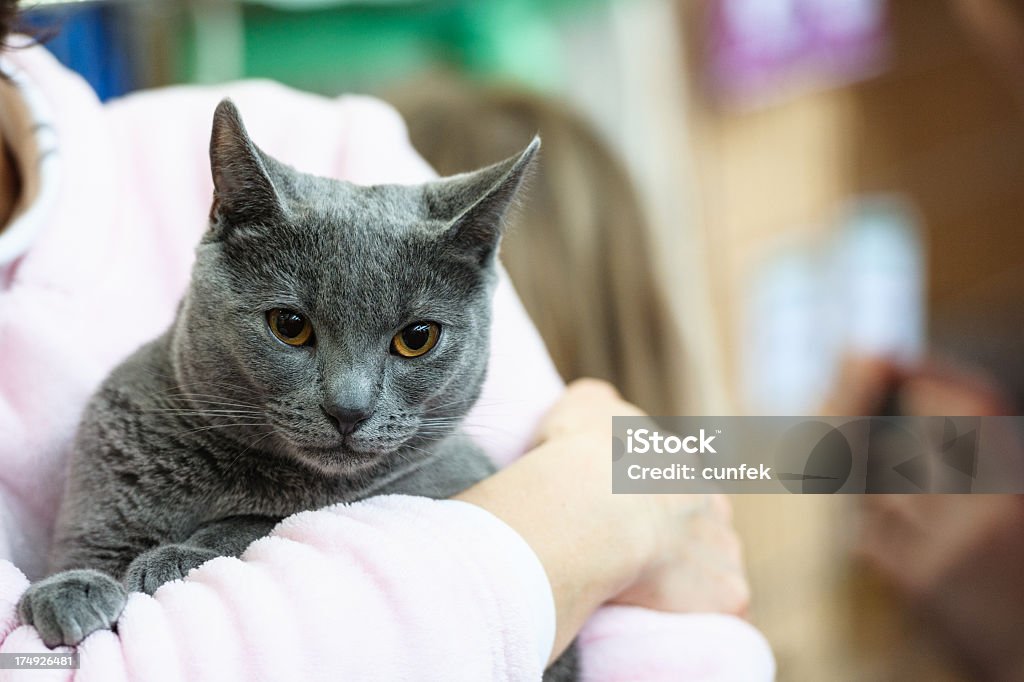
400, 452
252, 445
443, 425
184, 411
205, 417
209, 399
471, 403
200, 382
222, 426
452, 404
471, 426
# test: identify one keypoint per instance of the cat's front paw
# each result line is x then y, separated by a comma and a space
67, 607
163, 564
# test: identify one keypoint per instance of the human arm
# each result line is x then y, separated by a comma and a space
666, 552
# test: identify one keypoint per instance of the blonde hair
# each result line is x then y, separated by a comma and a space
577, 249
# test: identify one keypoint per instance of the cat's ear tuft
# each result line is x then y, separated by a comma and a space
476, 204
243, 191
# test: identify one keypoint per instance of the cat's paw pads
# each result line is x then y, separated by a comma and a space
68, 607
163, 564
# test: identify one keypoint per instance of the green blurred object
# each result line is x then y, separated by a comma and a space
331, 46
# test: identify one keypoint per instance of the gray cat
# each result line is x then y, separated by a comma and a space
330, 341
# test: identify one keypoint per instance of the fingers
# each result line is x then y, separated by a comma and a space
963, 395
735, 596
717, 535
723, 561
699, 568
721, 507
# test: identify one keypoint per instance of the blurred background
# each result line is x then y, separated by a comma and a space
744, 207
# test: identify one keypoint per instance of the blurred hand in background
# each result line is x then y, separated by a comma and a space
957, 559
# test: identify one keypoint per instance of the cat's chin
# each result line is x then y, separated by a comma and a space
342, 458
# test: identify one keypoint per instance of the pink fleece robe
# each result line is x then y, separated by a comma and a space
392, 588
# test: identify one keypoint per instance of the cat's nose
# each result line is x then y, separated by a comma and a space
345, 417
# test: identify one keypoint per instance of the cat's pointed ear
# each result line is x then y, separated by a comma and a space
243, 191
475, 204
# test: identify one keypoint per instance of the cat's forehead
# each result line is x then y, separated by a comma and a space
359, 211
360, 229
344, 248
370, 246
362, 280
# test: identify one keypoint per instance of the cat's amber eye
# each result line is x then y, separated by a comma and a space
291, 327
416, 339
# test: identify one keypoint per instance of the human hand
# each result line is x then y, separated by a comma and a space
697, 562
956, 560
938, 386
694, 557
664, 552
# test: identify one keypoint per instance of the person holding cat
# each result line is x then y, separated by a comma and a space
103, 207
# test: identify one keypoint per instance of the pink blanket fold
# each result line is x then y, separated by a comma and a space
393, 588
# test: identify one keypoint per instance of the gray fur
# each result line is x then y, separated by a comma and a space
206, 437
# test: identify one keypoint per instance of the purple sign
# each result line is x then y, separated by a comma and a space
762, 51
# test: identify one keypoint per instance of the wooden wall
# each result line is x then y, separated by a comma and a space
943, 126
